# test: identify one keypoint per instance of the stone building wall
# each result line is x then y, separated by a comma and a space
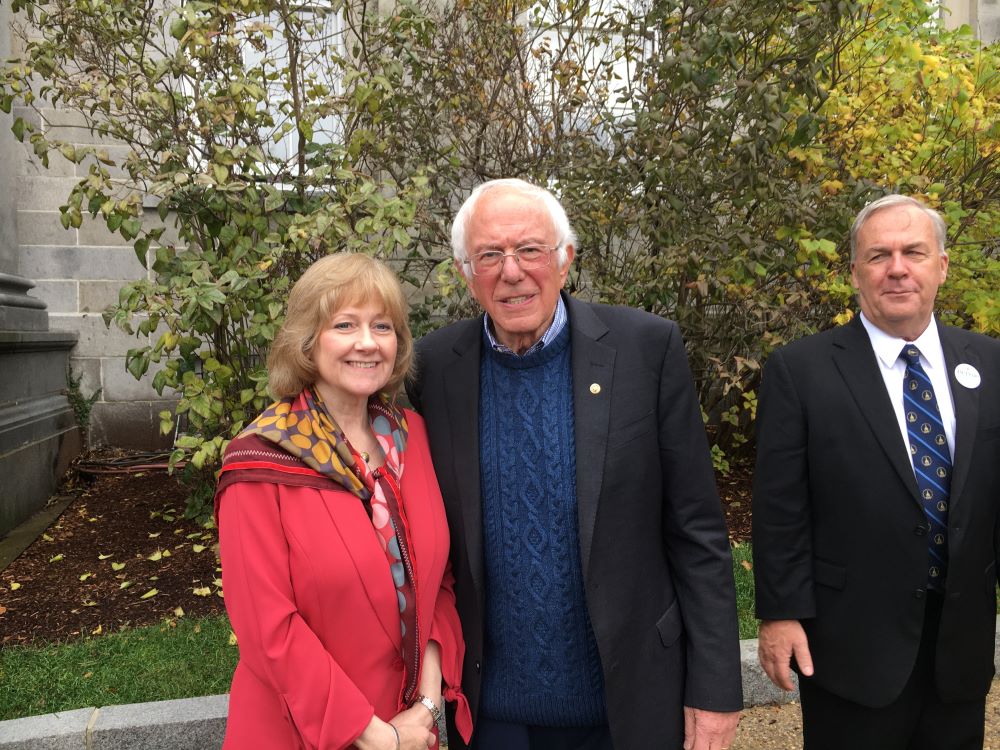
78, 273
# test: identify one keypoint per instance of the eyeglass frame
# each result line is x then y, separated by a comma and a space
549, 250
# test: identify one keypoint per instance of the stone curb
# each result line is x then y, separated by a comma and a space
200, 723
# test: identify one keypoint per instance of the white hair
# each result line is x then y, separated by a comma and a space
564, 232
890, 201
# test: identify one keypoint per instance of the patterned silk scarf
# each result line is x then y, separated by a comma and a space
296, 441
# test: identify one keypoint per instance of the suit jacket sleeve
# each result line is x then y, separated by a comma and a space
321, 702
697, 541
782, 527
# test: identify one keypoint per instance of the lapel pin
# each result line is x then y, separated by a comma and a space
968, 376
595, 388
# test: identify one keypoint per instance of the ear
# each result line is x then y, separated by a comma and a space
944, 267
564, 271
462, 269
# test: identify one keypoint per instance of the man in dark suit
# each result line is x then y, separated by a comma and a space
592, 564
875, 522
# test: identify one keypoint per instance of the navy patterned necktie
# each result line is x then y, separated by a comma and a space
931, 460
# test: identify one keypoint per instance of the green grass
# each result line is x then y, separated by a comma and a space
132, 666
163, 662
744, 590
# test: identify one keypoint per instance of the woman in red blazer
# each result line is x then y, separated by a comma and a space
333, 536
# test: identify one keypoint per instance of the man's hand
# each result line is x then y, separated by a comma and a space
779, 641
709, 730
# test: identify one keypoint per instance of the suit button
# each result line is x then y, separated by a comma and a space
921, 529
919, 594
477, 667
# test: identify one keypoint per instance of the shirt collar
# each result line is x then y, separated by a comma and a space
555, 328
887, 347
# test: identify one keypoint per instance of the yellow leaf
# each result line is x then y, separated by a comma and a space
90, 603
155, 557
166, 553
179, 611
220, 594
56, 558
103, 557
98, 630
746, 564
198, 547
85, 576
2, 609
197, 628
124, 584
232, 638
217, 582
14, 585
154, 535
203, 591
87, 675
117, 566
150, 593
47, 538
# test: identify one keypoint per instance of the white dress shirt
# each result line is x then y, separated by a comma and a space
893, 368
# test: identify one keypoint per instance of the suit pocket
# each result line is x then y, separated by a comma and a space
991, 579
670, 625
829, 574
644, 424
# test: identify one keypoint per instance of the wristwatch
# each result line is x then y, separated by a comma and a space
430, 706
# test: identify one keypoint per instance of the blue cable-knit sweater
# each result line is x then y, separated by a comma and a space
541, 663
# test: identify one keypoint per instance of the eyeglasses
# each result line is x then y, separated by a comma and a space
528, 257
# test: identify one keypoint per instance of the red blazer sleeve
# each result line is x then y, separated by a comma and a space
324, 706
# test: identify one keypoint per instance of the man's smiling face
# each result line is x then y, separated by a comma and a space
521, 303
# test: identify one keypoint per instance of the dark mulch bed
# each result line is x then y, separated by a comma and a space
129, 528
120, 529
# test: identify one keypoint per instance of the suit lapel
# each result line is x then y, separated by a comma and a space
359, 539
855, 359
461, 387
593, 365
966, 402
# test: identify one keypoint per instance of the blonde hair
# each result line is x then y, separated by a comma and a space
328, 285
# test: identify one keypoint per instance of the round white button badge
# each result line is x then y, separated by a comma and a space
968, 375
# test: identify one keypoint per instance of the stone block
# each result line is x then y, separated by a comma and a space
186, 724
96, 296
72, 126
43, 193
95, 339
757, 686
129, 424
88, 370
119, 385
118, 154
33, 364
61, 731
30, 164
28, 114
94, 231
23, 319
43, 228
59, 296
31, 471
109, 263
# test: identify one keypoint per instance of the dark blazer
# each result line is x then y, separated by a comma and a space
653, 544
839, 533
